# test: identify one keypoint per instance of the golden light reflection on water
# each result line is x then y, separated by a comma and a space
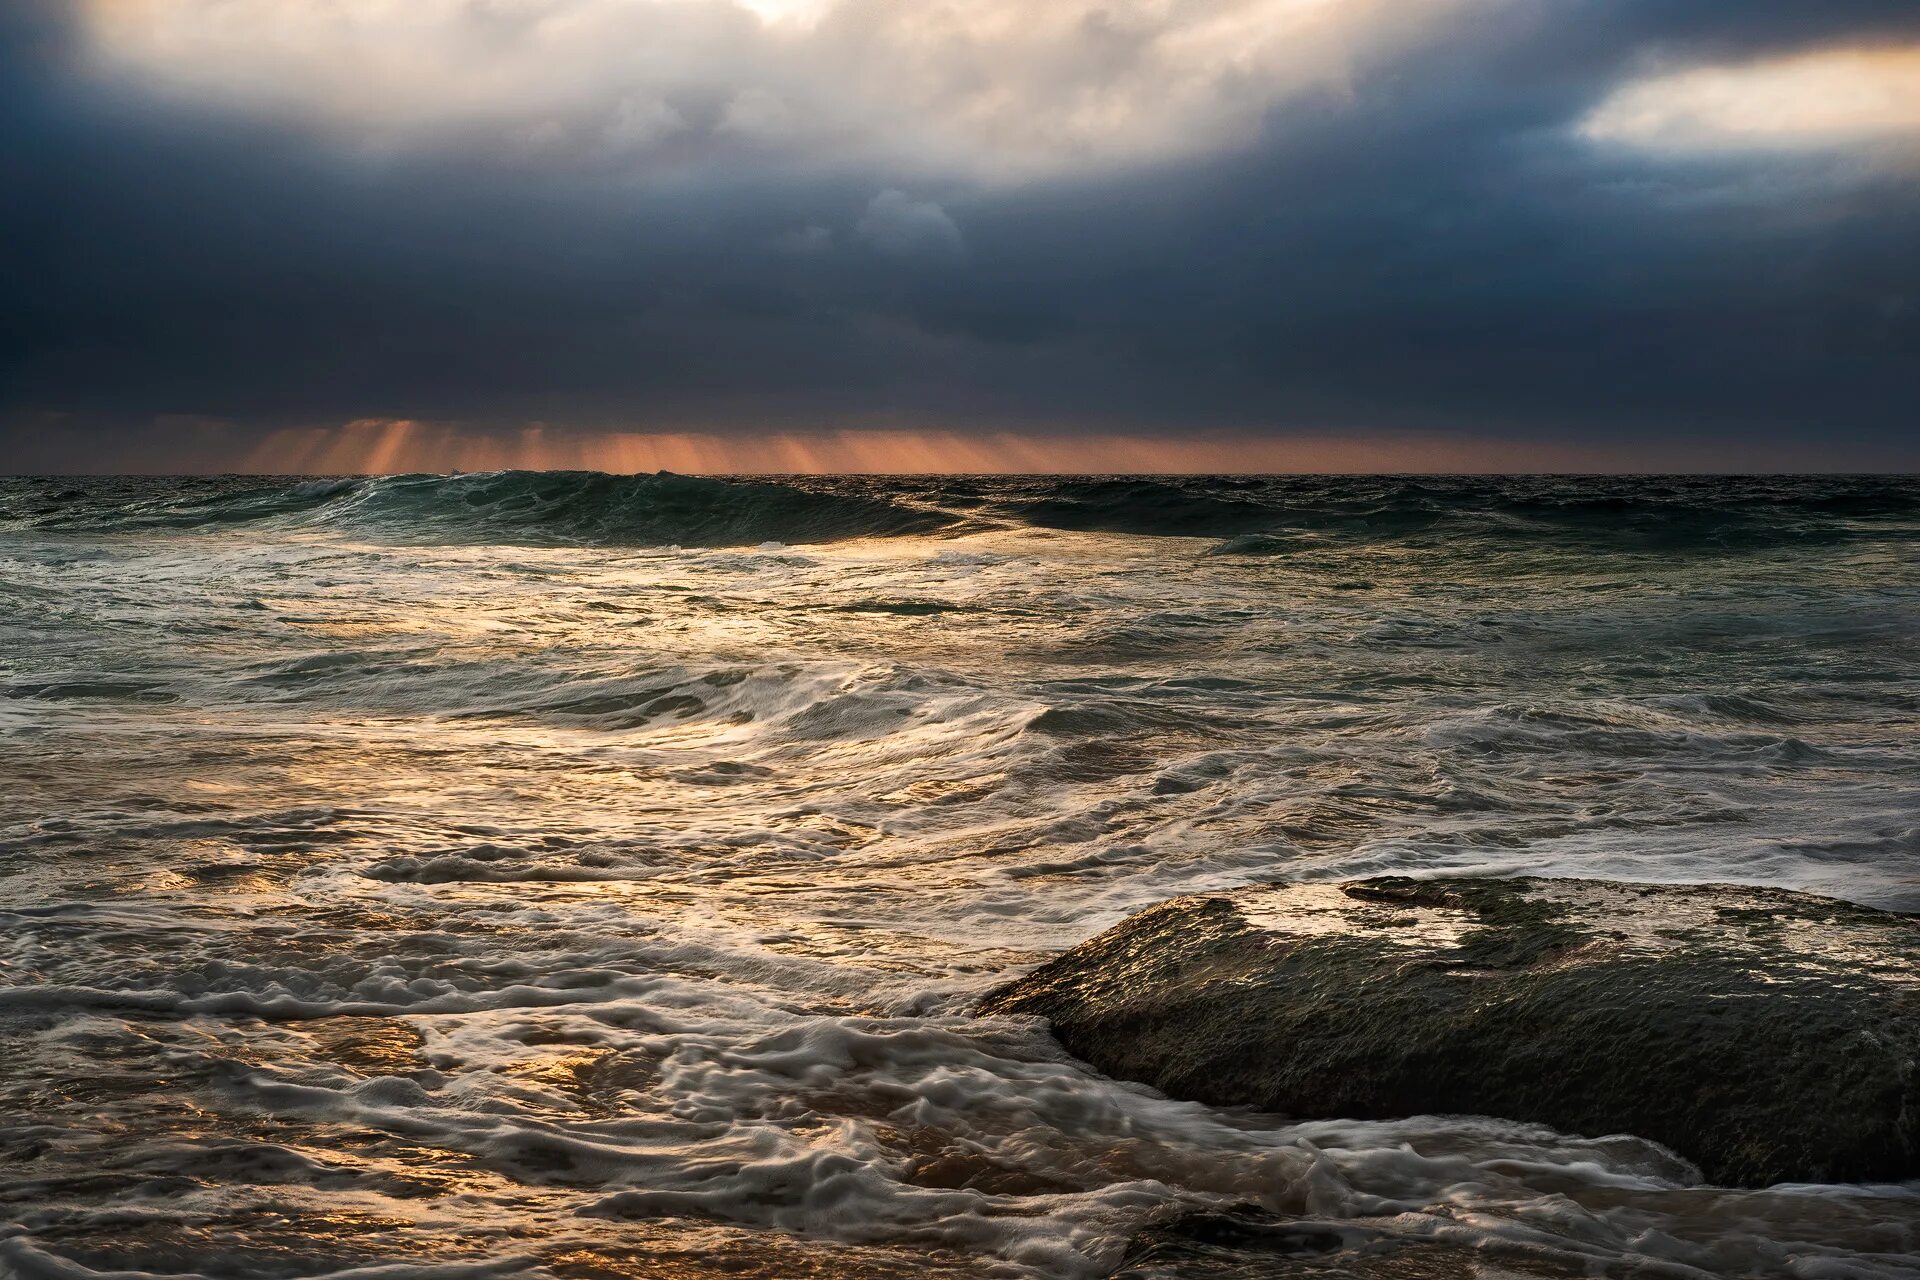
370, 1046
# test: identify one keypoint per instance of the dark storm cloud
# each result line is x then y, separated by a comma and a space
1438, 252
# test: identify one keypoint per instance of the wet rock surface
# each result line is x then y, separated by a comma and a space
1766, 1036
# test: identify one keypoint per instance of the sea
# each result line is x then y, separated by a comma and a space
582, 876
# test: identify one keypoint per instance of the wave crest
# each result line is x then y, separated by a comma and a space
562, 507
1253, 515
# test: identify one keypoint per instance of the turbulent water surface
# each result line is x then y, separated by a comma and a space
588, 876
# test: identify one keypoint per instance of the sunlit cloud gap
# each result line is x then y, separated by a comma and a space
1820, 99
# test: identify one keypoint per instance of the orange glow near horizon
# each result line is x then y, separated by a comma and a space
375, 446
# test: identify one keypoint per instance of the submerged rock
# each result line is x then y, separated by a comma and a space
1766, 1036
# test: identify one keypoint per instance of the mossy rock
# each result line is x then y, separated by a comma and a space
1766, 1036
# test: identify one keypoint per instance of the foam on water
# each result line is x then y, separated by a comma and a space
390, 885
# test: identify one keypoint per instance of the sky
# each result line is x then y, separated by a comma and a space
873, 235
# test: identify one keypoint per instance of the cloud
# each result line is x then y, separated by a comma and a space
756, 114
638, 122
1320, 222
1824, 98
989, 89
804, 242
901, 227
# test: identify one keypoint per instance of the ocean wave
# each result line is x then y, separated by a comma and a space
1249, 515
1278, 515
531, 507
